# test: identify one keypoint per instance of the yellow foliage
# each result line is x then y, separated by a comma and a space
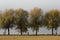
51, 16
35, 12
19, 13
8, 12
8, 15
1, 20
53, 12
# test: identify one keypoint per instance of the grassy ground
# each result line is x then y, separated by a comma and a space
30, 37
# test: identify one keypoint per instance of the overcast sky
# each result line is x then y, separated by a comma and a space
28, 5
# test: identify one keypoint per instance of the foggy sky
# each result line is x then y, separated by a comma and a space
29, 4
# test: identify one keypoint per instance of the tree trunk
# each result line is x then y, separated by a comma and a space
8, 31
21, 30
52, 30
36, 32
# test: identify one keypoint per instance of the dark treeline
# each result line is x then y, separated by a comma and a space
22, 20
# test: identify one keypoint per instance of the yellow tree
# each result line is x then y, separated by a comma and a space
35, 15
55, 17
21, 20
1, 20
52, 19
8, 19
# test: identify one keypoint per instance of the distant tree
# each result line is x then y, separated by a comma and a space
35, 19
1, 20
52, 19
8, 19
48, 21
21, 20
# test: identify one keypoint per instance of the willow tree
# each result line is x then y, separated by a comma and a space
52, 19
35, 19
8, 19
21, 20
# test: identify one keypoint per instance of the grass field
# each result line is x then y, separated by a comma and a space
17, 37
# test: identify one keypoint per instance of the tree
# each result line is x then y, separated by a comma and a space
8, 19
55, 19
52, 19
21, 20
48, 21
1, 20
35, 21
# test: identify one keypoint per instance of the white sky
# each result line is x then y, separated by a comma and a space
28, 5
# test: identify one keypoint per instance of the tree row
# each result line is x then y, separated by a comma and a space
34, 19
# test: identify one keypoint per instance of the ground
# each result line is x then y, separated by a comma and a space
17, 37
